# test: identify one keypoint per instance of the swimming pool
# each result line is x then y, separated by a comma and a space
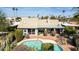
57, 48
33, 44
37, 45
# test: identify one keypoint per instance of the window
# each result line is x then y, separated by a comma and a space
31, 31
52, 29
40, 31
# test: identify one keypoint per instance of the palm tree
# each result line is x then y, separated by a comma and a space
2, 17
3, 22
76, 14
76, 9
37, 15
8, 42
63, 11
14, 10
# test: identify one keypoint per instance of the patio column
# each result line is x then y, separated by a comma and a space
54, 30
27, 31
61, 29
74, 27
36, 32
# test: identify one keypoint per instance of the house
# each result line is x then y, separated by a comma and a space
36, 26
73, 24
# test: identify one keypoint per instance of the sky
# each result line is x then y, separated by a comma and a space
34, 11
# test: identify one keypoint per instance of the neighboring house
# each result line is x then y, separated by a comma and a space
35, 25
12, 21
72, 24
14, 24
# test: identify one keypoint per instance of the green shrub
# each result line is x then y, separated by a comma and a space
18, 35
9, 28
27, 36
8, 42
3, 28
69, 30
18, 19
47, 47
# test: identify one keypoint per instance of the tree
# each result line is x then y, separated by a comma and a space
59, 18
52, 17
41, 17
29, 16
63, 11
2, 17
76, 9
46, 17
3, 22
75, 18
18, 35
37, 15
15, 9
47, 47
8, 42
76, 14
62, 18
3, 28
18, 19
69, 30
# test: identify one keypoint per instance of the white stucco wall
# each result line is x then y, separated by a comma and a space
25, 31
36, 32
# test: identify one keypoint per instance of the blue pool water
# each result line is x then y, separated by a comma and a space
57, 48
33, 44
38, 44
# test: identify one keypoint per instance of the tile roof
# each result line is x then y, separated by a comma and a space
39, 23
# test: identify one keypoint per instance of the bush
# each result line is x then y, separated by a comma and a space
52, 33
0, 41
47, 47
18, 35
9, 28
27, 36
69, 30
3, 28
18, 19
8, 42
52, 17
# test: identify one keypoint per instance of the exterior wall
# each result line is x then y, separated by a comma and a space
54, 29
25, 31
36, 32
